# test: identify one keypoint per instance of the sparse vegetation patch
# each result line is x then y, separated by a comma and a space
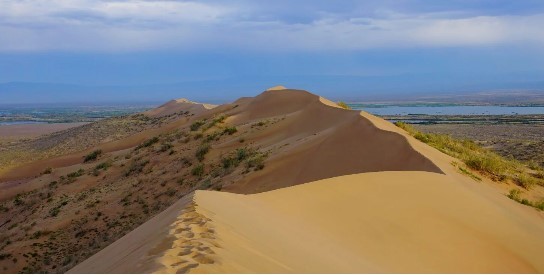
230, 130
202, 150
136, 167
196, 125
515, 194
76, 174
148, 142
198, 170
92, 156
477, 158
253, 159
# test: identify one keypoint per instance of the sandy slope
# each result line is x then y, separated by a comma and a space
33, 169
373, 222
382, 202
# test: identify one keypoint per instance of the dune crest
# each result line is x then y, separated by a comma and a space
276, 88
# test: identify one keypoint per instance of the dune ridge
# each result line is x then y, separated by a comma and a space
311, 137
343, 192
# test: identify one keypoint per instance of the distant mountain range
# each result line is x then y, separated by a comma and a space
507, 98
347, 88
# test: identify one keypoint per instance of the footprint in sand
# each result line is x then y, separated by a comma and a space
193, 242
186, 268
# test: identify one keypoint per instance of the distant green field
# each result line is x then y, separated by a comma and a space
64, 114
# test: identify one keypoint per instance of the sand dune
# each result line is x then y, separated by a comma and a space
179, 105
342, 192
318, 141
392, 222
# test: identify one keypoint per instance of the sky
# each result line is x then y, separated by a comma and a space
70, 50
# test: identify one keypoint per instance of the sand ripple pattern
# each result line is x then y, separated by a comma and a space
193, 240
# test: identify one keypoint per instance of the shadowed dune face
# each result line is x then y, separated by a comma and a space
320, 141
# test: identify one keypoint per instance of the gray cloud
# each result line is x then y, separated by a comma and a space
94, 25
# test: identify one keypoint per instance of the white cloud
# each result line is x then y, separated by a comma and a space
94, 25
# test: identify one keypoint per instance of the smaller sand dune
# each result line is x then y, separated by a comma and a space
179, 105
276, 88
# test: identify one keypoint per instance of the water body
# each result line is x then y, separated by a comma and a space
388, 110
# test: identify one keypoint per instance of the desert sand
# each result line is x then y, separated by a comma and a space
343, 192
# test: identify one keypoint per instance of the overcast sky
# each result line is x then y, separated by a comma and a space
355, 47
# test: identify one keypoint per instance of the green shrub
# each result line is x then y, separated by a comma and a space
47, 170
256, 161
234, 158
514, 194
196, 125
76, 174
488, 163
103, 165
18, 200
148, 142
136, 167
242, 153
230, 130
201, 151
53, 212
213, 136
525, 180
343, 105
198, 136
198, 170
92, 156
165, 147
228, 162
215, 121
539, 205
253, 158
466, 172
